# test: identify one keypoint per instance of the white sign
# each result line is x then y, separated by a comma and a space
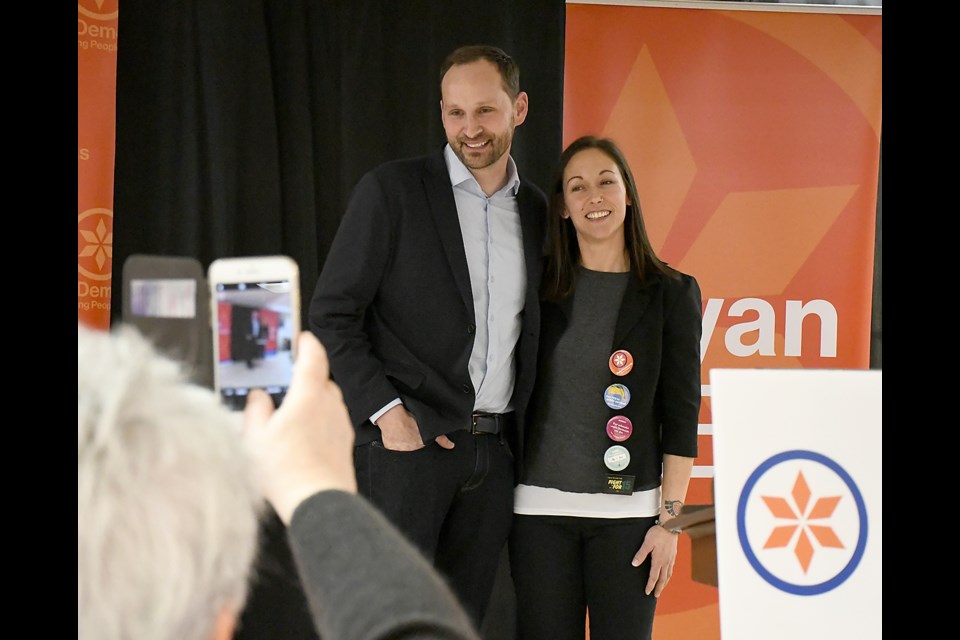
798, 494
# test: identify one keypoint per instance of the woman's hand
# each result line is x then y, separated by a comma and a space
661, 546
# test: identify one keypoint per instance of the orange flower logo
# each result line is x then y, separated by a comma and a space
95, 244
795, 509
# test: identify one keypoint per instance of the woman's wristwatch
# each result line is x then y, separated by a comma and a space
673, 530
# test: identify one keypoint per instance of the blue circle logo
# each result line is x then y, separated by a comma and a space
802, 522
617, 396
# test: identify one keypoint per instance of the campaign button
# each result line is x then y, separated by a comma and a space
622, 485
621, 362
617, 396
619, 428
616, 458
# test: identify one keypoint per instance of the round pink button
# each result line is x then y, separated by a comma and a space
619, 428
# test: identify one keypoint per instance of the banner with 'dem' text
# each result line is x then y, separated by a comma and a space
753, 132
97, 38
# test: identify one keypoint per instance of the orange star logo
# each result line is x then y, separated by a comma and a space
806, 515
95, 244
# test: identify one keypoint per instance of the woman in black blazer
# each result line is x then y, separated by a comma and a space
611, 434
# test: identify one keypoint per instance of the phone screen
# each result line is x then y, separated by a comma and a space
255, 334
163, 297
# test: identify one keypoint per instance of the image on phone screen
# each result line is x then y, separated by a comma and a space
163, 297
255, 340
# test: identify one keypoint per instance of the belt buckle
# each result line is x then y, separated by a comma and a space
497, 418
475, 419
473, 423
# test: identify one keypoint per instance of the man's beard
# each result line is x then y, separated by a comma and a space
488, 155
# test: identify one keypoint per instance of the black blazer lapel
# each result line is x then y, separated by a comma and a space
443, 208
533, 236
636, 300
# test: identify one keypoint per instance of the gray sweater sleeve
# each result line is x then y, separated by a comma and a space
364, 580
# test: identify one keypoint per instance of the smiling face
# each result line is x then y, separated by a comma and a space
595, 198
478, 115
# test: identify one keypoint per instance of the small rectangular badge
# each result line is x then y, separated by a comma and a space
619, 484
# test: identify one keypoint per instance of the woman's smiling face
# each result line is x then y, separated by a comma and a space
594, 195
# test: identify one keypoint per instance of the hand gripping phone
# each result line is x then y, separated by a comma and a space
255, 318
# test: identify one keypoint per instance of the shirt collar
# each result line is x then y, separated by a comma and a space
459, 173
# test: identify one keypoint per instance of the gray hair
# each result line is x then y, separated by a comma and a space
167, 503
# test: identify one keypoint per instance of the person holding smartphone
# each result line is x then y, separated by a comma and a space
169, 493
427, 304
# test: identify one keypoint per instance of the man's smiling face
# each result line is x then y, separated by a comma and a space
478, 115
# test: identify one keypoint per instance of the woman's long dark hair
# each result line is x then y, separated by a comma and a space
563, 251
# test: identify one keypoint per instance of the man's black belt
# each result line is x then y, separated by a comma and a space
492, 423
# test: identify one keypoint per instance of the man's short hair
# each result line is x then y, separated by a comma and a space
167, 505
508, 68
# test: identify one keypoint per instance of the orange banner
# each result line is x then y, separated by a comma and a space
96, 136
754, 137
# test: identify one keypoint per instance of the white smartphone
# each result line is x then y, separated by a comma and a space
255, 316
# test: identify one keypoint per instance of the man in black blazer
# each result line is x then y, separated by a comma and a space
255, 339
427, 306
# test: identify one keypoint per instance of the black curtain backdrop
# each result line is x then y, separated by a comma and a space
243, 126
